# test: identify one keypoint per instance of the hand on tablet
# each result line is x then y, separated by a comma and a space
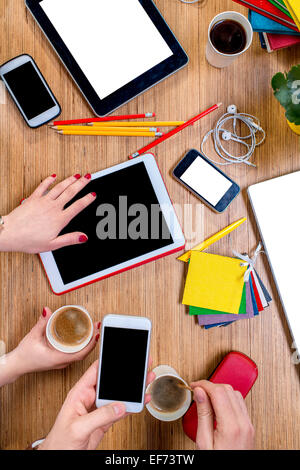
79, 426
234, 430
34, 226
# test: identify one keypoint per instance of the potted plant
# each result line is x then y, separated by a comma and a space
286, 88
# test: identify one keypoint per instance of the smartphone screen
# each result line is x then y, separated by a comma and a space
123, 364
29, 90
206, 181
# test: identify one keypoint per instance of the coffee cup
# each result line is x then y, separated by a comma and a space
215, 56
158, 406
70, 329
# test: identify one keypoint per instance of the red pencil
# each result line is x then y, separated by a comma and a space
175, 131
103, 119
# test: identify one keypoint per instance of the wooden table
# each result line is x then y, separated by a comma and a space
29, 407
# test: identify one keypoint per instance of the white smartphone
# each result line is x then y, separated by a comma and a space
29, 90
123, 362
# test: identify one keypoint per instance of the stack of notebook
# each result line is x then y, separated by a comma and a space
221, 290
276, 21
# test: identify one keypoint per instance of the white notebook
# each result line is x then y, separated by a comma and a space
275, 204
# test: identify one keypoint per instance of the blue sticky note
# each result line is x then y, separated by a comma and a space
256, 312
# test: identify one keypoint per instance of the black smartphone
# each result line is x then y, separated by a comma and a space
29, 90
206, 181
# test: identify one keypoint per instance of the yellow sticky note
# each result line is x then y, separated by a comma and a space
294, 9
214, 282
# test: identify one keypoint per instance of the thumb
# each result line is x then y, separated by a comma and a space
74, 238
205, 432
104, 416
40, 327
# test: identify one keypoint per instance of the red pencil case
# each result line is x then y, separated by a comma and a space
237, 370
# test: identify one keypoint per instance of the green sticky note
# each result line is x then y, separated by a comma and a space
204, 311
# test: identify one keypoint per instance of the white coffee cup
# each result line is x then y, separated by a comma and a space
218, 59
167, 371
63, 347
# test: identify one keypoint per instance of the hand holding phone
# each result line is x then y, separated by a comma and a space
123, 362
29, 90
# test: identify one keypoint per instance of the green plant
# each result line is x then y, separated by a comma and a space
287, 91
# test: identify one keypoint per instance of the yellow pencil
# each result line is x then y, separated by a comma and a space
186, 256
105, 128
115, 133
138, 124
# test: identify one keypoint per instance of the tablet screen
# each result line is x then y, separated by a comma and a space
113, 41
124, 222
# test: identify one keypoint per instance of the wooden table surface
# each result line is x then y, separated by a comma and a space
29, 407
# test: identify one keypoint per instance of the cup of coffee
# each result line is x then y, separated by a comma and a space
70, 329
169, 399
230, 34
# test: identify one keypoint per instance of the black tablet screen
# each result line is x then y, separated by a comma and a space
124, 222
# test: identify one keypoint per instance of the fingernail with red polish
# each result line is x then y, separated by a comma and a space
54, 175
83, 238
94, 194
44, 312
98, 326
88, 176
77, 176
97, 337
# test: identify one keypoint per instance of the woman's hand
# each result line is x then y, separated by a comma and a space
34, 226
35, 354
234, 430
79, 425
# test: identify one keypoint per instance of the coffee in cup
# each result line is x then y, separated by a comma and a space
168, 394
170, 400
70, 328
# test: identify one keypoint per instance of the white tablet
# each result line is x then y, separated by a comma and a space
131, 222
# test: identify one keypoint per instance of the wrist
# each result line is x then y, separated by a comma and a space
6, 235
10, 368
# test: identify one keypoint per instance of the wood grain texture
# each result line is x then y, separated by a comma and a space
29, 407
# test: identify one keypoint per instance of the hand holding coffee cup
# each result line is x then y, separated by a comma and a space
34, 353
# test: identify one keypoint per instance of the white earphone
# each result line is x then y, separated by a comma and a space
219, 132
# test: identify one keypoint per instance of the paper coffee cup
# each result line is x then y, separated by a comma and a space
63, 347
163, 371
218, 59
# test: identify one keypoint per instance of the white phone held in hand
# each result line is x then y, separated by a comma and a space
123, 361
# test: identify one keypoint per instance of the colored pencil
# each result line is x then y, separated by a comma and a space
175, 131
213, 239
140, 123
102, 119
105, 128
115, 133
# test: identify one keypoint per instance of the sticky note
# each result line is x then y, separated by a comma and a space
220, 317
204, 311
214, 282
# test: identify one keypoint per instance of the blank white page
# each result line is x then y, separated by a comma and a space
113, 41
276, 208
